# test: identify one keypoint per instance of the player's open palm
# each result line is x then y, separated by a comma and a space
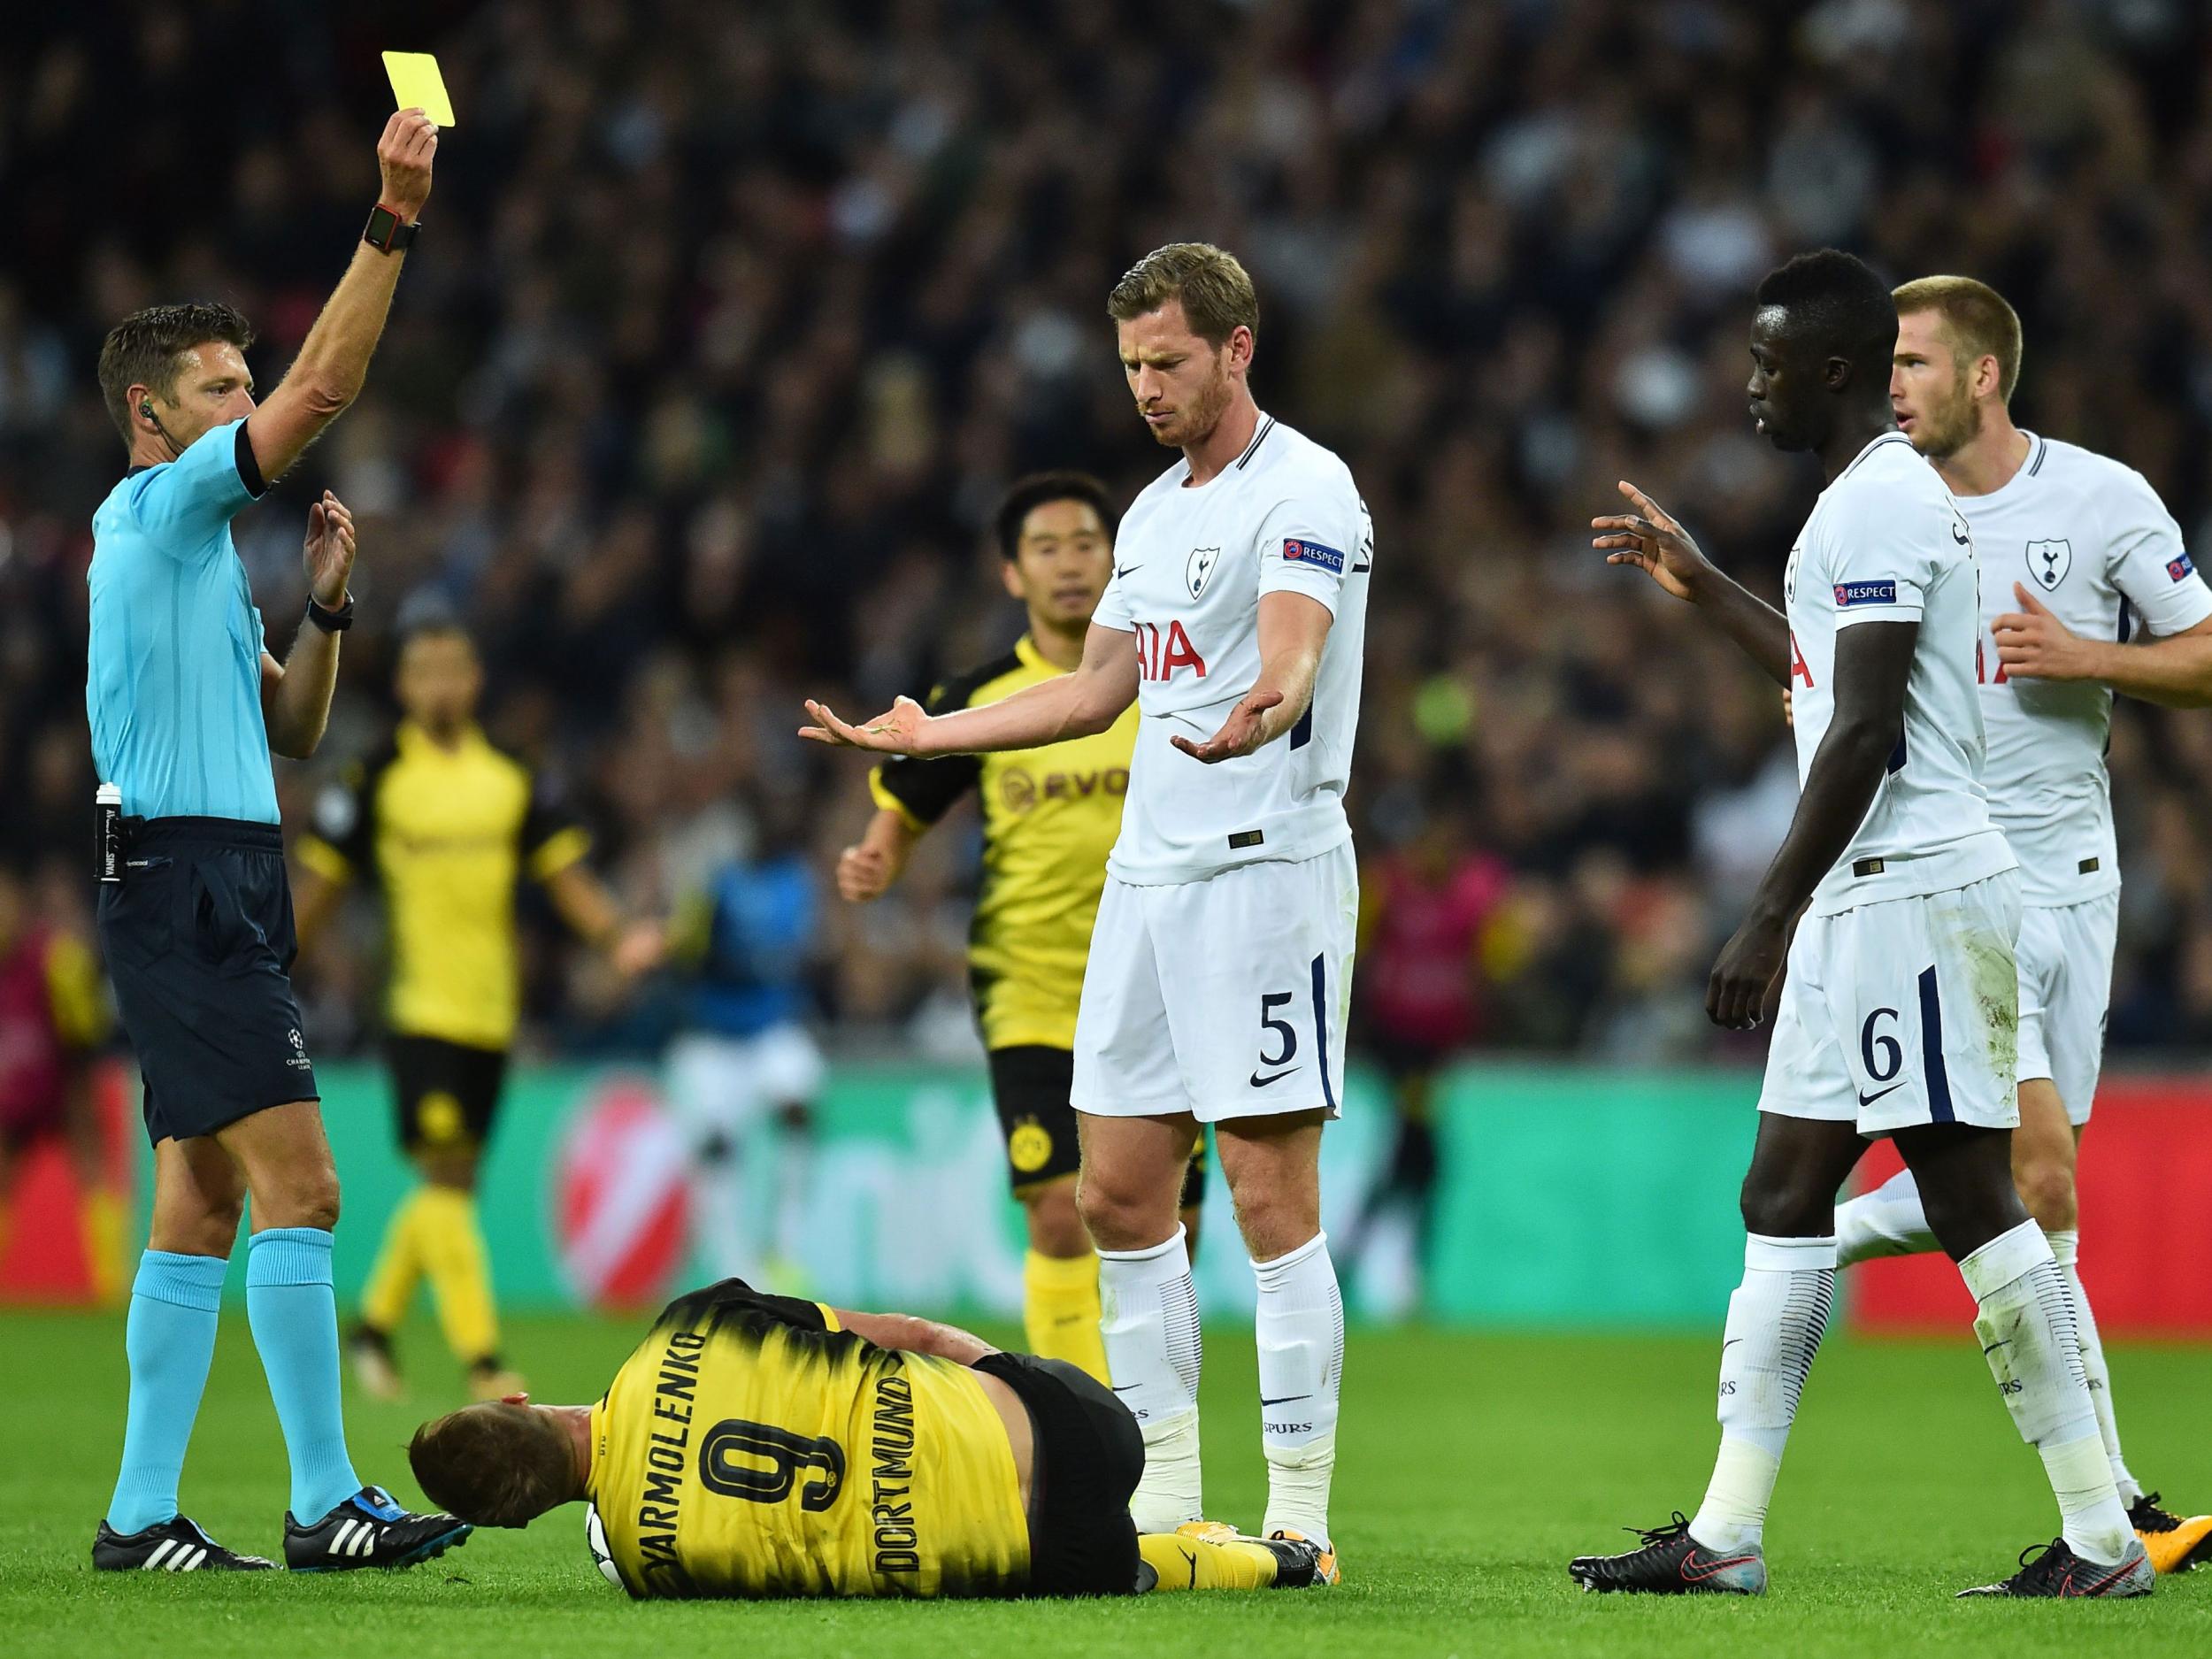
403, 156
329, 555
900, 730
1650, 540
1244, 730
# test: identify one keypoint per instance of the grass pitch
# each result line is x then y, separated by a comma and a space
1471, 1469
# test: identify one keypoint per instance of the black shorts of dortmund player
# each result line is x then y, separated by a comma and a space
447, 1092
1089, 1456
199, 943
1030, 1086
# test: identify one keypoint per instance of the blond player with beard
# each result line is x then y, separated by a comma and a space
2072, 545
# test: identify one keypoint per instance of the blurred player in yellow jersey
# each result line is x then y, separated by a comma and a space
448, 824
1050, 815
760, 1446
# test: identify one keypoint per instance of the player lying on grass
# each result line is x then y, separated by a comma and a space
760, 1446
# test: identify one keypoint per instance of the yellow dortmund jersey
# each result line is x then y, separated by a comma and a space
1050, 815
750, 1448
447, 833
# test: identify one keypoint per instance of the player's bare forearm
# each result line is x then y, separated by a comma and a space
332, 362
296, 697
1293, 629
585, 904
867, 868
2175, 672
1759, 630
908, 1335
1080, 704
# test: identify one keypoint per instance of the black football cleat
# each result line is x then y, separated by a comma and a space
175, 1545
1671, 1563
2174, 1543
2054, 1570
369, 1530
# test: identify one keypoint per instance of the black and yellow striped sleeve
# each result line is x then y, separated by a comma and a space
923, 791
552, 839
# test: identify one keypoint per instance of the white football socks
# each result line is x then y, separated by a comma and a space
2065, 1250
1148, 1317
1888, 1221
2026, 1329
1776, 1320
1299, 1330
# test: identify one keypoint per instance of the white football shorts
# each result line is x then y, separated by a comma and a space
1902, 1012
726, 1084
1224, 997
2065, 993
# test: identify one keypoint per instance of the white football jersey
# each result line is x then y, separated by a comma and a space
2091, 540
1885, 543
1190, 564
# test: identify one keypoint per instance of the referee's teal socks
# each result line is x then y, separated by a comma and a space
170, 1342
295, 1318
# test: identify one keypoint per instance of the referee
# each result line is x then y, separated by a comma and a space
184, 704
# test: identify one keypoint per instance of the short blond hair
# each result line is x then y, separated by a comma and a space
1214, 288
1976, 321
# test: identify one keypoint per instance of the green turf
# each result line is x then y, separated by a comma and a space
1471, 1469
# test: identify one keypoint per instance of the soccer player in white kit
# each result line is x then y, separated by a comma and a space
1220, 968
2072, 546
1897, 1014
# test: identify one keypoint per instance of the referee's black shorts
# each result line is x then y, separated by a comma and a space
1089, 1457
199, 943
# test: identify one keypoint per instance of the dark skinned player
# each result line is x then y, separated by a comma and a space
1898, 1015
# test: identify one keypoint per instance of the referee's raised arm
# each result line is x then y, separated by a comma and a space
333, 360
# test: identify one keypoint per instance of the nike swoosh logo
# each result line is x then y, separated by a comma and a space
1867, 1100
1956, 536
1127, 569
1729, 1343
1120, 1388
1993, 1346
1696, 1568
1284, 1400
1262, 1082
1191, 1555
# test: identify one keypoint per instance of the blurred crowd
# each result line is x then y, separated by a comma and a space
729, 324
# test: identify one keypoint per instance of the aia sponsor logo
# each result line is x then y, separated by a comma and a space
1162, 652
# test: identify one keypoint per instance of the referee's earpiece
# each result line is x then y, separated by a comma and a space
146, 410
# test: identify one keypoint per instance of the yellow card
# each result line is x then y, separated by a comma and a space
417, 84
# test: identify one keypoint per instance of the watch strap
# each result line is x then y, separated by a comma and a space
388, 232
330, 621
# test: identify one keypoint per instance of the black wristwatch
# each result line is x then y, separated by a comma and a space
330, 621
387, 234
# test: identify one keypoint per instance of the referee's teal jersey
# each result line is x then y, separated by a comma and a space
172, 685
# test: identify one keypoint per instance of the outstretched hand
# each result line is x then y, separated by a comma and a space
898, 731
1651, 541
1241, 733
